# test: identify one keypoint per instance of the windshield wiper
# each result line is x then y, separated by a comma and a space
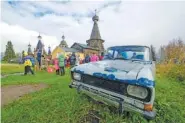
120, 59
136, 60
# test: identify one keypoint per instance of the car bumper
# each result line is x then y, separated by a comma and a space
109, 98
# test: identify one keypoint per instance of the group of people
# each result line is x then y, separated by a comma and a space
60, 62
73, 60
93, 58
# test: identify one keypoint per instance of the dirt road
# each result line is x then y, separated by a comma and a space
12, 92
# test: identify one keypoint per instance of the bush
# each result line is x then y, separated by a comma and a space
177, 72
174, 71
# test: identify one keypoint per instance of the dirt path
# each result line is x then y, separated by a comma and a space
13, 92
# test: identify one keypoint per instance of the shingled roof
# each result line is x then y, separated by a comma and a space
66, 49
39, 45
95, 40
84, 46
95, 34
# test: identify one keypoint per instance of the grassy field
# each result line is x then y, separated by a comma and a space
11, 68
60, 104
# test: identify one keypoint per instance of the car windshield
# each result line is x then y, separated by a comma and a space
141, 53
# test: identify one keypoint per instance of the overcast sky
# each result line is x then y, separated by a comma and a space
121, 23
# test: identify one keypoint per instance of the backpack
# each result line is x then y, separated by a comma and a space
27, 62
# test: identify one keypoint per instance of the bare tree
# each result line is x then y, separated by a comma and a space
153, 52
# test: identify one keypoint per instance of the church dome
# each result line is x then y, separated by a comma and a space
39, 37
95, 18
63, 43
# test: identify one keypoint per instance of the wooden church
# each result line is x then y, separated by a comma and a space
93, 45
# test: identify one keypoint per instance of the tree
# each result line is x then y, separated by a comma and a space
18, 55
175, 50
153, 53
161, 53
9, 52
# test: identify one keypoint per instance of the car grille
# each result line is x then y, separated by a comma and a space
114, 86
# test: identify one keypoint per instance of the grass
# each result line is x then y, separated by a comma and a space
60, 104
11, 68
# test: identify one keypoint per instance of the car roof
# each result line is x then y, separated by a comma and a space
131, 46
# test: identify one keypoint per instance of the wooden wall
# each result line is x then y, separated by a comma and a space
59, 50
90, 51
56, 51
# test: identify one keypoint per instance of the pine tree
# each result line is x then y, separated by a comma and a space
9, 52
153, 53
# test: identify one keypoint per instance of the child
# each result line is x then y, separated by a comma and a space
27, 64
61, 64
56, 64
94, 58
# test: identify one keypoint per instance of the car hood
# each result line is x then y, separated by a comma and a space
119, 68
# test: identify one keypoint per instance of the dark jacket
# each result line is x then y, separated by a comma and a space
72, 59
87, 59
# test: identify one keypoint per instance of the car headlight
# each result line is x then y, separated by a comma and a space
137, 91
77, 76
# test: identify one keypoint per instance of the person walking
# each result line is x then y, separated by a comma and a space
27, 64
61, 64
72, 60
56, 65
77, 60
33, 63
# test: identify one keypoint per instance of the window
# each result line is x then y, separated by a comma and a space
128, 53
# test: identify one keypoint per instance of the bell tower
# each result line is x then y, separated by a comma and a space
63, 43
95, 40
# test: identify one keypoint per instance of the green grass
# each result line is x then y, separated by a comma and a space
60, 104
170, 101
11, 68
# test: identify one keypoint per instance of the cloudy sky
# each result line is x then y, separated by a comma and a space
120, 23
